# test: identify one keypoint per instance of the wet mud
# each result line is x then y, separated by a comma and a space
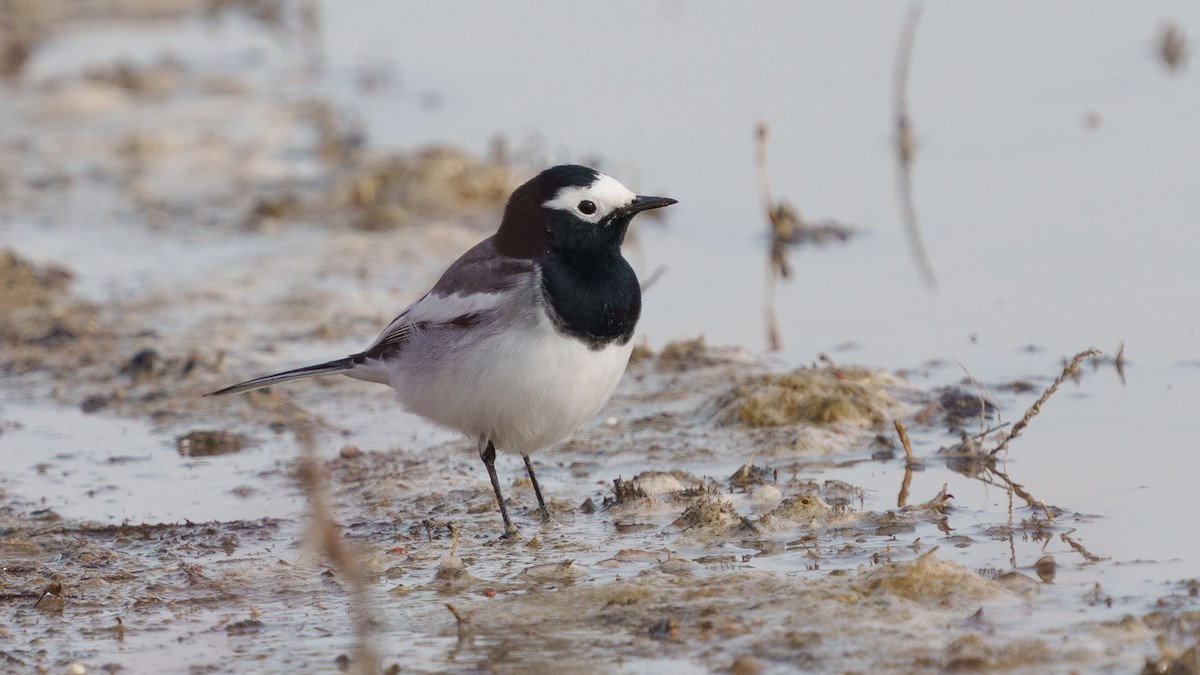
724, 512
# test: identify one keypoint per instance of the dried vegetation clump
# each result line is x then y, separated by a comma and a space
398, 189
46, 329
690, 354
709, 513
802, 508
38, 314
23, 284
925, 579
817, 396
26, 23
384, 191
972, 652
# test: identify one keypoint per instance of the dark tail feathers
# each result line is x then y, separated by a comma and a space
329, 368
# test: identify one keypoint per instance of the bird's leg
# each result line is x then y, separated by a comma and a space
488, 455
537, 489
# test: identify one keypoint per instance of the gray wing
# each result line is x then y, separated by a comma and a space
475, 285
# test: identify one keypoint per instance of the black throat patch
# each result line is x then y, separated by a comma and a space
591, 296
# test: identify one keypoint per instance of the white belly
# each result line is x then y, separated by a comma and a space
523, 388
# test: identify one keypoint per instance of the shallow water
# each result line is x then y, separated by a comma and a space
1042, 231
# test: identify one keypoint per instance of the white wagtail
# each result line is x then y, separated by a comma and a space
524, 338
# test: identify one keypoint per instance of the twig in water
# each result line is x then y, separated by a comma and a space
453, 538
1069, 370
782, 225
1046, 509
466, 631
903, 434
1087, 555
788, 228
910, 462
985, 397
1172, 47
654, 277
325, 533
902, 499
906, 146
1015, 488
1119, 362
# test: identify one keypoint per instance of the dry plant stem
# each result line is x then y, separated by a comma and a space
458, 618
466, 631
453, 538
1011, 519
1087, 555
984, 398
1016, 488
1012, 545
1070, 370
654, 277
902, 499
760, 162
1046, 509
906, 146
325, 533
1119, 362
903, 434
774, 339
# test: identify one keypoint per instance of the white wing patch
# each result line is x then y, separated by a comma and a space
605, 192
446, 308
434, 309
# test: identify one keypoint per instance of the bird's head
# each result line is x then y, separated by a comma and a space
570, 207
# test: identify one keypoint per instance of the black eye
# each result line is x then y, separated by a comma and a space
587, 208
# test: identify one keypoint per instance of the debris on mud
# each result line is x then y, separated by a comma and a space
957, 408
42, 327
926, 579
23, 284
435, 183
208, 443
710, 514
683, 355
802, 509
564, 571
817, 396
34, 305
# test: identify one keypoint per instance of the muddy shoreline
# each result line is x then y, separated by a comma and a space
208, 218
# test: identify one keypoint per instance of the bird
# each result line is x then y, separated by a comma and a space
524, 338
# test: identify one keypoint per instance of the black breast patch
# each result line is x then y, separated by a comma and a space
595, 299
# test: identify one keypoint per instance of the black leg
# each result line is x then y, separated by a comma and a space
488, 455
537, 489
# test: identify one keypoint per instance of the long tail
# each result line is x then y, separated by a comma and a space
339, 366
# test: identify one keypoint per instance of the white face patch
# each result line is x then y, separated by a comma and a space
604, 195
